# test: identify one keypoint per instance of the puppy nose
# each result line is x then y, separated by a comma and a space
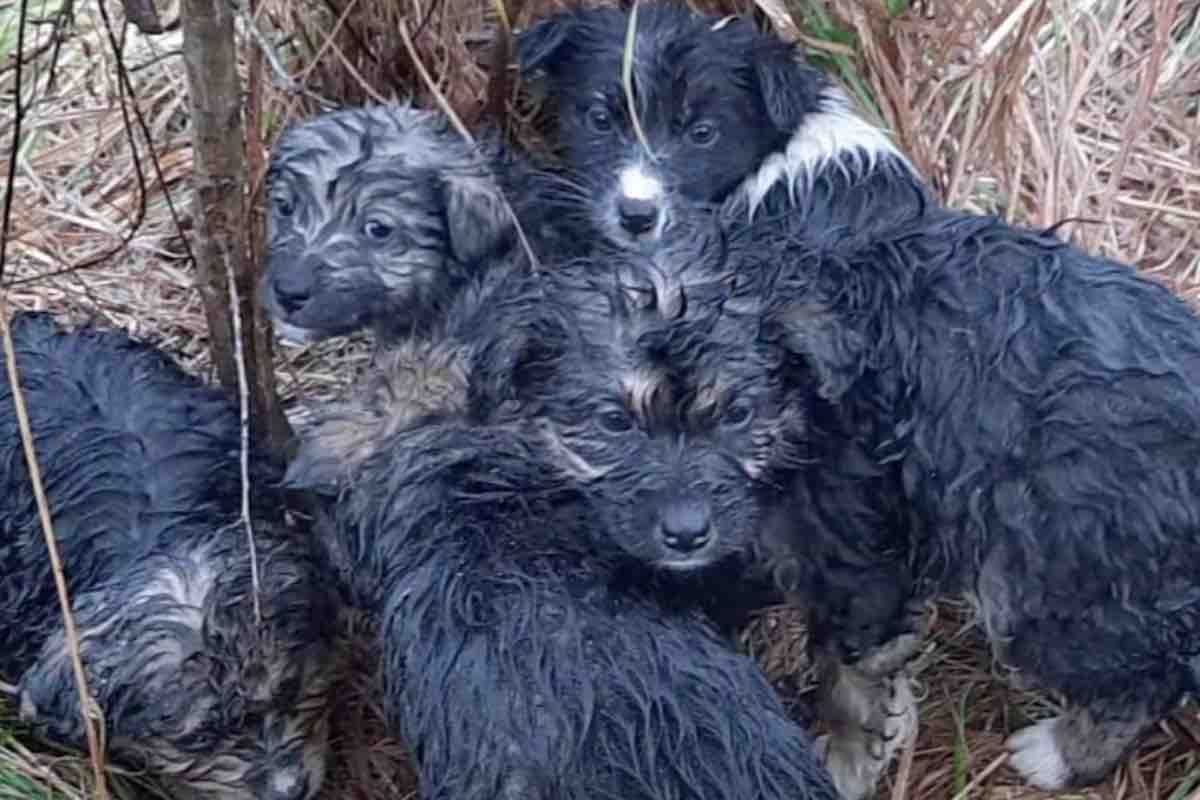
685, 526
638, 215
290, 295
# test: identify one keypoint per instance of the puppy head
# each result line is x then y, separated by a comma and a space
375, 216
191, 686
713, 98
677, 423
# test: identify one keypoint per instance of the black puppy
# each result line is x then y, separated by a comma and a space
724, 114
520, 659
140, 464
689, 417
996, 413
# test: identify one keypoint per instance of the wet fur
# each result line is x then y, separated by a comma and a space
668, 397
520, 660
378, 215
995, 412
778, 122
140, 465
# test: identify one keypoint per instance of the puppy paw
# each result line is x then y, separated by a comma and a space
1034, 752
28, 708
895, 720
857, 755
853, 774
892, 656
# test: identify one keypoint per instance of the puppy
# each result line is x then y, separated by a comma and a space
724, 114
140, 464
378, 216
668, 409
996, 413
517, 661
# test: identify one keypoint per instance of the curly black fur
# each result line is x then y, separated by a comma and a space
995, 412
140, 465
524, 653
515, 669
667, 406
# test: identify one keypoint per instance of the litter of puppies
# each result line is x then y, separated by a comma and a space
755, 362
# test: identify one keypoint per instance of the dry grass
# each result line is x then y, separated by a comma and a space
1041, 110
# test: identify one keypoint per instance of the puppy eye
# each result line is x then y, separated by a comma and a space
599, 120
283, 204
703, 134
615, 421
377, 229
737, 415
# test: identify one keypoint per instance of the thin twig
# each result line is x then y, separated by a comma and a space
239, 358
1163, 14
72, 638
979, 778
282, 79
127, 98
15, 149
627, 78
904, 770
444, 105
497, 86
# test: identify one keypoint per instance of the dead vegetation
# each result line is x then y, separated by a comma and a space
1083, 112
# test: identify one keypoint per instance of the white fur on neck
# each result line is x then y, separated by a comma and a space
834, 135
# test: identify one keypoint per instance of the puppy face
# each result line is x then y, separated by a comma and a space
713, 98
680, 429
374, 215
193, 688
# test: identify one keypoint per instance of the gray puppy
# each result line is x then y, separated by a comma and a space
379, 216
141, 470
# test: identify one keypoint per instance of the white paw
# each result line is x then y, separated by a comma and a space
1034, 752
900, 720
859, 754
892, 656
852, 772
29, 710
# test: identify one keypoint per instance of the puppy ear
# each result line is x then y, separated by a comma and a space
787, 86
541, 45
831, 348
478, 221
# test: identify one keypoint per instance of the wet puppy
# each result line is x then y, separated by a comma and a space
689, 417
725, 114
379, 215
996, 413
669, 410
518, 662
140, 464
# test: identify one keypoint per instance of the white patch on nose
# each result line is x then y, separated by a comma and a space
636, 184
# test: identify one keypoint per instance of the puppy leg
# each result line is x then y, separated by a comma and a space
1080, 747
871, 713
